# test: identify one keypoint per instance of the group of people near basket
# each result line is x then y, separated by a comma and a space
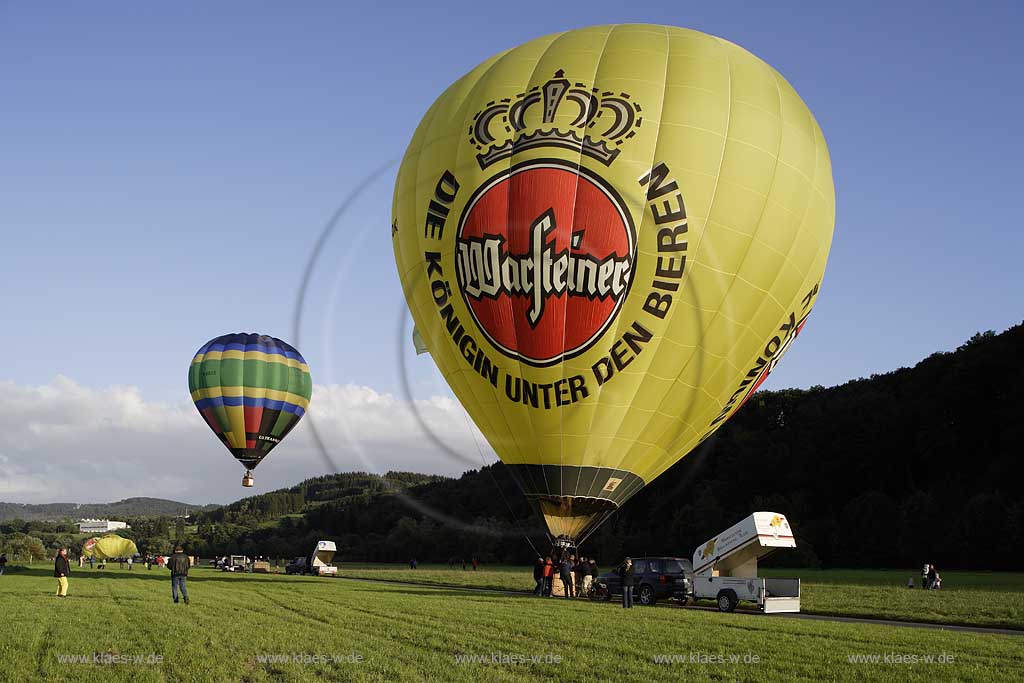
577, 575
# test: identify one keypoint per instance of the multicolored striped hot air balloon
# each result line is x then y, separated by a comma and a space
252, 390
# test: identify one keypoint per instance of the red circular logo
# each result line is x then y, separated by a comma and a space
544, 257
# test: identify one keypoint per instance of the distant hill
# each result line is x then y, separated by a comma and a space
129, 507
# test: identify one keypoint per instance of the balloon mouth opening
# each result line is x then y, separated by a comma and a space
570, 519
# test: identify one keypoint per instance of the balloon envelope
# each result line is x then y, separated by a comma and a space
252, 390
109, 547
607, 238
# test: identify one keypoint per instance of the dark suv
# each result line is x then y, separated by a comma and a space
654, 578
297, 566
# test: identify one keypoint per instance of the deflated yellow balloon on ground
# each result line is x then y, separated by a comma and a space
607, 238
109, 547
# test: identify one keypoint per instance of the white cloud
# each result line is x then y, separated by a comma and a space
63, 442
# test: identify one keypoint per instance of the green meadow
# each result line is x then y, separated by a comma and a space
990, 599
118, 625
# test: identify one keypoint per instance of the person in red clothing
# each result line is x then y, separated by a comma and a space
549, 570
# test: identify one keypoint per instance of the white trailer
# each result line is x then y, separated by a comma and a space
320, 562
725, 568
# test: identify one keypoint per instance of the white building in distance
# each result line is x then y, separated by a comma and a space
99, 526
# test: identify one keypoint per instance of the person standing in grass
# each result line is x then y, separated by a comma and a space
538, 577
178, 564
626, 574
3, 563
566, 576
62, 570
549, 570
584, 571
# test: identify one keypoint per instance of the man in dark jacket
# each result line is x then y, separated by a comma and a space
178, 564
538, 577
62, 570
3, 563
626, 574
588, 578
566, 567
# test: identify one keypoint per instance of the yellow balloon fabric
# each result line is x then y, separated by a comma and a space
607, 238
109, 547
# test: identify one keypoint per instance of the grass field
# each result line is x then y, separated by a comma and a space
993, 599
237, 624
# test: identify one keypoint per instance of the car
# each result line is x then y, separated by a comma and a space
300, 565
654, 578
234, 563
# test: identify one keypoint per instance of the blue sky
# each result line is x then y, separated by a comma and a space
165, 171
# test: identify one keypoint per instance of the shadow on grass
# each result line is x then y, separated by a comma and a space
445, 592
449, 592
198, 574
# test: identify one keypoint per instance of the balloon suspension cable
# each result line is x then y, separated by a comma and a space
483, 463
594, 527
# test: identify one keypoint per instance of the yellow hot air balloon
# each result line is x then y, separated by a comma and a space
607, 238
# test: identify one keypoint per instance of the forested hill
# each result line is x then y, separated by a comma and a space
345, 489
916, 465
129, 507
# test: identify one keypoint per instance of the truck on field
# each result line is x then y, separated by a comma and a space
725, 568
320, 562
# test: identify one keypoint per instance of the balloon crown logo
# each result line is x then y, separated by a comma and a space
530, 120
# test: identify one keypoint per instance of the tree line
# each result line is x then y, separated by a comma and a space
915, 465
